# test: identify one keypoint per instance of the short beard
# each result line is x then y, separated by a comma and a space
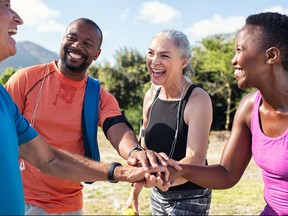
72, 68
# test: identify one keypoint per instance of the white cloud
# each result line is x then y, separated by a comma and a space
277, 8
156, 12
38, 16
216, 25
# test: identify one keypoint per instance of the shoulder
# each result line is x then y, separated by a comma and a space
149, 96
108, 101
105, 94
244, 109
199, 97
35, 68
247, 102
5, 95
29, 73
199, 92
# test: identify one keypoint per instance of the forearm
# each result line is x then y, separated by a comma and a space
212, 176
74, 167
128, 142
189, 159
122, 138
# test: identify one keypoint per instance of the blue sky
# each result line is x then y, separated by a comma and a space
132, 23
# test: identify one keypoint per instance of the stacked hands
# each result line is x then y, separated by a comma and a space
150, 169
153, 169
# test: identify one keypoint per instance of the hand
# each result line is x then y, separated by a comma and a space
156, 181
165, 179
147, 159
135, 173
173, 173
172, 165
132, 201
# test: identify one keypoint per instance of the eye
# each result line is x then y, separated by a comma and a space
238, 49
88, 43
150, 53
8, 6
71, 38
165, 56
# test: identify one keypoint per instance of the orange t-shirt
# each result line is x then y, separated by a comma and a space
53, 105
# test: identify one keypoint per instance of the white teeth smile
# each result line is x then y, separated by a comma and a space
12, 31
158, 71
76, 56
236, 71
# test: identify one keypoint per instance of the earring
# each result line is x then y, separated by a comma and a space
267, 62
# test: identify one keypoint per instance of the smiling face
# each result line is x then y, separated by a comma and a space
80, 46
9, 20
249, 60
164, 60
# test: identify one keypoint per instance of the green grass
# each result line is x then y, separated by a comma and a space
245, 198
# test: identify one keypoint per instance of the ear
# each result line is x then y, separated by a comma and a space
272, 55
185, 62
97, 54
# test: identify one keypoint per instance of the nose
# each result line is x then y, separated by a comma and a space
155, 60
76, 44
17, 18
234, 60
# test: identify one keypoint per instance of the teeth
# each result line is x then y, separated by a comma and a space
157, 71
75, 55
12, 31
236, 71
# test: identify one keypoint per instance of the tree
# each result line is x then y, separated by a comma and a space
214, 71
127, 81
9, 71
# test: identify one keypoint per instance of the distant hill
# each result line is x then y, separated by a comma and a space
28, 54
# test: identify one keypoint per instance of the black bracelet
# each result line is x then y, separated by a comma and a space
111, 171
137, 147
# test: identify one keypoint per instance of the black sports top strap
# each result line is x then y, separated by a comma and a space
157, 93
189, 91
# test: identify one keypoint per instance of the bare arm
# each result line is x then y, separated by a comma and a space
198, 117
235, 157
72, 166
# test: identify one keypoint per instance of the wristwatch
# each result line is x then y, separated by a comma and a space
111, 169
137, 147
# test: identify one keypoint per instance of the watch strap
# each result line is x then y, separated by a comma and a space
111, 169
137, 147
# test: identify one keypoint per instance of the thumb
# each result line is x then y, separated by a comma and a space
132, 161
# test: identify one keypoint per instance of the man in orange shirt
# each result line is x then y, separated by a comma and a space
51, 97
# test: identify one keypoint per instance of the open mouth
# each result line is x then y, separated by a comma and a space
157, 72
12, 31
237, 71
75, 54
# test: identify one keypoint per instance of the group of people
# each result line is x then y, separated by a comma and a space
47, 133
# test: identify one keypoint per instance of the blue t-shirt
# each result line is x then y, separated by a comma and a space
14, 131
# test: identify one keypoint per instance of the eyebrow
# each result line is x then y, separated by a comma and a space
161, 52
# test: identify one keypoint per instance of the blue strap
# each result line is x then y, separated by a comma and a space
90, 119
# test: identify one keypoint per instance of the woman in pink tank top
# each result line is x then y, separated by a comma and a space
260, 127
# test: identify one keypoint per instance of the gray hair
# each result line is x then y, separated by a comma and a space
181, 41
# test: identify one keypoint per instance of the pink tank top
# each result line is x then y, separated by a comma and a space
271, 155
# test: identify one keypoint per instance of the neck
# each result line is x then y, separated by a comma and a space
175, 92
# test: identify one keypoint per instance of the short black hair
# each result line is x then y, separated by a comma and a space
275, 32
92, 23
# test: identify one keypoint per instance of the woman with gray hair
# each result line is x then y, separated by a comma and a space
177, 118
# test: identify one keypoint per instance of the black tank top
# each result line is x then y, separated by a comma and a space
161, 127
